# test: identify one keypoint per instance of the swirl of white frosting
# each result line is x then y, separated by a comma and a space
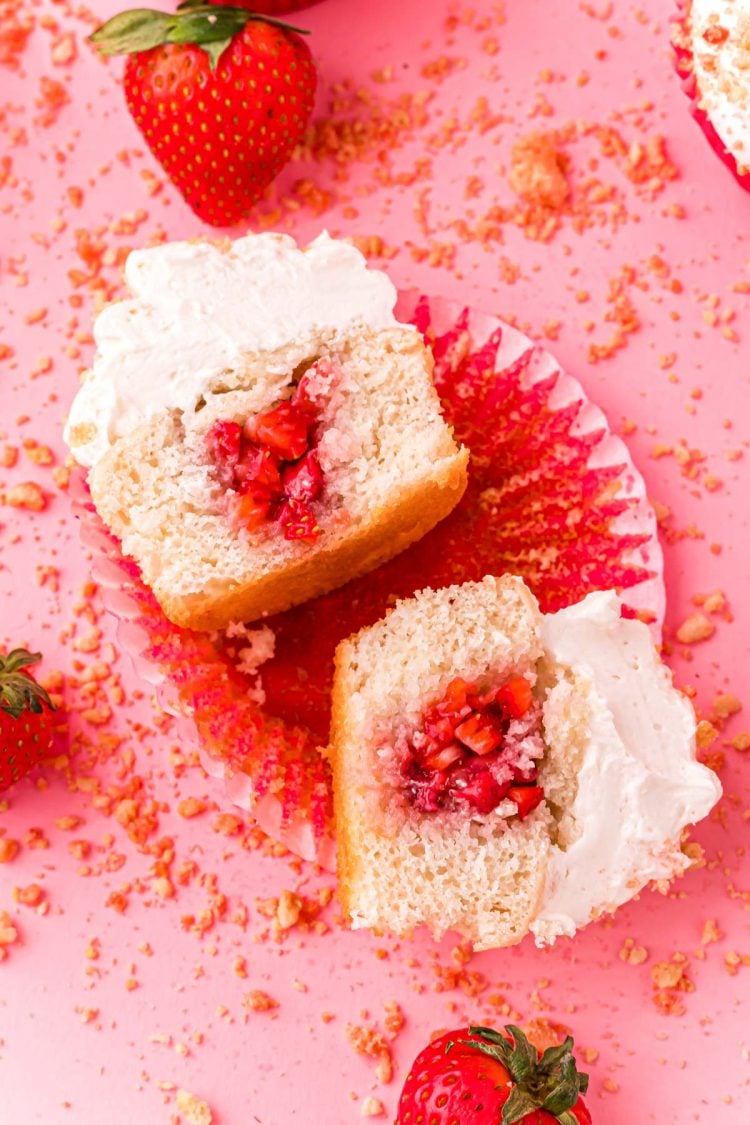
198, 309
639, 783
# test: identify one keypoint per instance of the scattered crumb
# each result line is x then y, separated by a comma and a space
194, 1111
537, 172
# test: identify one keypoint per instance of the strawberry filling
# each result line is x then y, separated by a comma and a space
477, 748
269, 466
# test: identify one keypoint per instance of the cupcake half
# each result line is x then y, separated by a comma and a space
499, 772
258, 427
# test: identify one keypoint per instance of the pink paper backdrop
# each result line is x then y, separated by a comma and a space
138, 969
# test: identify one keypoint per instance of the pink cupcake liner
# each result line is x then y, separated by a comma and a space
553, 495
683, 61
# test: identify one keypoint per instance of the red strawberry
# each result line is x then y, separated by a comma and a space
223, 441
477, 1075
480, 790
260, 465
283, 429
25, 717
298, 521
221, 95
252, 505
481, 733
526, 798
304, 479
515, 697
271, 7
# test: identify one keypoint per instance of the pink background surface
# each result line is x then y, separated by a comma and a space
678, 389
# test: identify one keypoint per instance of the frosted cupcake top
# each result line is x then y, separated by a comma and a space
198, 309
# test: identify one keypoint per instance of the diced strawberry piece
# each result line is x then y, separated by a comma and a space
525, 776
515, 697
454, 702
526, 798
223, 441
258, 465
427, 791
304, 479
314, 384
466, 739
444, 757
298, 521
252, 506
481, 700
481, 733
441, 728
481, 791
284, 429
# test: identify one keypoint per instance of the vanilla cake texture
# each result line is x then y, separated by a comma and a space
619, 772
220, 333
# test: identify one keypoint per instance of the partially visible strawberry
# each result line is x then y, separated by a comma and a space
476, 1075
271, 7
25, 717
221, 95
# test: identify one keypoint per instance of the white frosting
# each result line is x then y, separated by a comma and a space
722, 70
639, 783
198, 310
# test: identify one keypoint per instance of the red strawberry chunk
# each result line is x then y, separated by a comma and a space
258, 465
439, 728
455, 700
428, 791
446, 756
319, 376
526, 797
253, 505
481, 733
525, 776
283, 429
224, 441
304, 479
467, 752
272, 464
515, 697
482, 792
298, 521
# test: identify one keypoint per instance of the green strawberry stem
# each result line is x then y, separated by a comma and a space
18, 691
210, 26
552, 1082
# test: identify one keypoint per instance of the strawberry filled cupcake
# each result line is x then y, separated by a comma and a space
257, 426
498, 771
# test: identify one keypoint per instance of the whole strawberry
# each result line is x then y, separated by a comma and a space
221, 95
25, 717
476, 1076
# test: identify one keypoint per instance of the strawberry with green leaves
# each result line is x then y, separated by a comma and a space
25, 717
272, 7
477, 1076
221, 95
